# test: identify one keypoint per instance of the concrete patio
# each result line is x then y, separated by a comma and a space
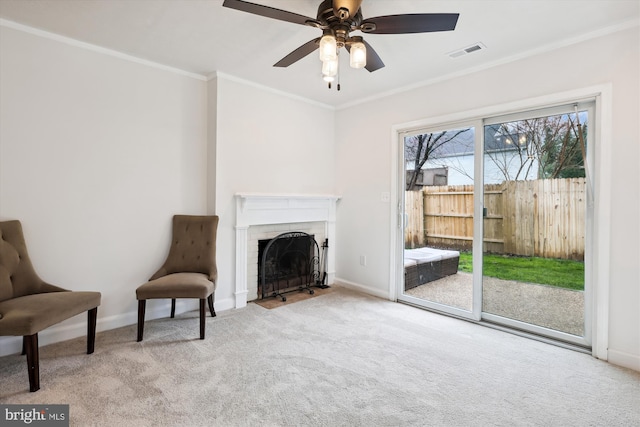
548, 306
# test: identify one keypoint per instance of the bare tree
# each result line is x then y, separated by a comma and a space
419, 149
453, 162
507, 146
551, 143
561, 156
544, 147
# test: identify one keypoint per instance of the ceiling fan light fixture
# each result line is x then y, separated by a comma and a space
328, 48
357, 54
337, 19
329, 69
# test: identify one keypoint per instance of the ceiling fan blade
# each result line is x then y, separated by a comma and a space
269, 12
298, 54
411, 23
373, 60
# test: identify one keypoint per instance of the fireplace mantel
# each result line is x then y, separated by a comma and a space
266, 208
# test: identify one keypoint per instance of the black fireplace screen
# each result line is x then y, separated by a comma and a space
288, 262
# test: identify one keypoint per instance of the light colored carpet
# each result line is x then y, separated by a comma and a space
547, 306
340, 359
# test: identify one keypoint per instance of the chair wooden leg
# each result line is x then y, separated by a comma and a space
173, 308
33, 361
24, 343
142, 304
211, 309
91, 329
202, 318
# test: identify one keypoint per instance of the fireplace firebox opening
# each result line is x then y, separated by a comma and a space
290, 262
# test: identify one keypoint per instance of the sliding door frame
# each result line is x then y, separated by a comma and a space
602, 128
585, 340
478, 165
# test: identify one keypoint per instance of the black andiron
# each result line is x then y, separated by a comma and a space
290, 262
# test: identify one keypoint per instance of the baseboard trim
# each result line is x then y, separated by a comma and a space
362, 288
225, 304
626, 360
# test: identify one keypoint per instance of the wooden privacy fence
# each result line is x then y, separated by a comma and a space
414, 236
544, 218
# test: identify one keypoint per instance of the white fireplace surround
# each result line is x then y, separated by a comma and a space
261, 209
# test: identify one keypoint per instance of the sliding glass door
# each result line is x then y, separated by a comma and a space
438, 174
497, 217
535, 221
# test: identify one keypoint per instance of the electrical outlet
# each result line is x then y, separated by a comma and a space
363, 260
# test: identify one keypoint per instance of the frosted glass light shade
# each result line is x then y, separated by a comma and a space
328, 48
358, 55
330, 68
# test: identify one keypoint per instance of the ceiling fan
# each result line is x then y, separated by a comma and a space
337, 19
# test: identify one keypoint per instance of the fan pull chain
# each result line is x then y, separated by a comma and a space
338, 74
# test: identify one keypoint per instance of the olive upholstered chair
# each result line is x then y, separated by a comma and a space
28, 304
189, 271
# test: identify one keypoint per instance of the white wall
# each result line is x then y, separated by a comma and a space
212, 123
266, 143
364, 132
96, 155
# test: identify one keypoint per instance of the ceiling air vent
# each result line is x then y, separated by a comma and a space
469, 49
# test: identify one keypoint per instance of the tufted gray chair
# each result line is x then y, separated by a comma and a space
189, 271
28, 304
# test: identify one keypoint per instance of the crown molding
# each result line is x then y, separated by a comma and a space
513, 58
533, 52
95, 48
218, 74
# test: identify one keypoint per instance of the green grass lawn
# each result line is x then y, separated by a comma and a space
547, 271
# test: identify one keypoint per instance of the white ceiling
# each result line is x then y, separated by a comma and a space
201, 36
